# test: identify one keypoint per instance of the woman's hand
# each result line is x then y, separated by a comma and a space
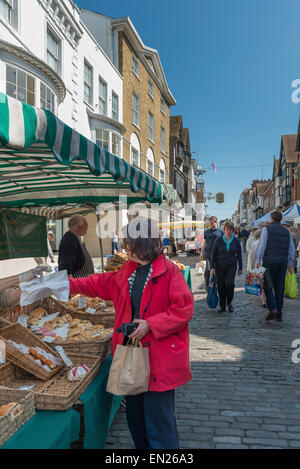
240, 272
142, 329
212, 272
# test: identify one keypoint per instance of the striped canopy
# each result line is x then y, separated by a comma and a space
45, 162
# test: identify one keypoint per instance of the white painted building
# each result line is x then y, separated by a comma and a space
49, 59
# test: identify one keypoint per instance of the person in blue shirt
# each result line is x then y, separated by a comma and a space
210, 236
276, 252
226, 254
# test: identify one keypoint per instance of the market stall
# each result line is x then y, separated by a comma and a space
45, 164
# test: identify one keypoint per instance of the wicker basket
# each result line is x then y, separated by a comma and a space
98, 347
22, 335
4, 322
9, 423
107, 317
58, 393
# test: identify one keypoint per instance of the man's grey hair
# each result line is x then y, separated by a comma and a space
75, 220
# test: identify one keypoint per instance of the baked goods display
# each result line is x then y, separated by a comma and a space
45, 359
36, 315
80, 303
116, 262
66, 328
179, 265
14, 407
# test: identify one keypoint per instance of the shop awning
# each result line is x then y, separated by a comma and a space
291, 213
45, 162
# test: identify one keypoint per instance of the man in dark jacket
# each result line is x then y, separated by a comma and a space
244, 235
276, 250
73, 255
210, 237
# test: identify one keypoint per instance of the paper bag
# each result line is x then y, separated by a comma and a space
130, 370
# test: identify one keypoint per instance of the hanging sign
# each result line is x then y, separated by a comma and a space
22, 235
220, 197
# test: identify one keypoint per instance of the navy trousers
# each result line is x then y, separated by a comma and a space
151, 420
278, 273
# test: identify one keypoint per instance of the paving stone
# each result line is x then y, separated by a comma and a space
227, 439
244, 385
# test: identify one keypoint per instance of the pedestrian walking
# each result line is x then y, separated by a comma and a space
115, 242
151, 291
226, 254
73, 255
276, 252
210, 236
244, 235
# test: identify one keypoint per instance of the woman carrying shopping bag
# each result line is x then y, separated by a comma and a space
226, 254
151, 291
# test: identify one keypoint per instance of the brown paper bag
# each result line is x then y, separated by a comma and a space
130, 370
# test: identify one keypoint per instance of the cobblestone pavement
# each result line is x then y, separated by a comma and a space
245, 387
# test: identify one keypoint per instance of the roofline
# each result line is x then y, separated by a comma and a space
125, 25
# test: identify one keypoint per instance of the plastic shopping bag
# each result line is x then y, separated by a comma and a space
291, 286
212, 294
200, 268
54, 284
254, 281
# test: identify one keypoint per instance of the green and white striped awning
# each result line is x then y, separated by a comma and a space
45, 162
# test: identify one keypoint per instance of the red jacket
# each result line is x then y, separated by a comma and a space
168, 306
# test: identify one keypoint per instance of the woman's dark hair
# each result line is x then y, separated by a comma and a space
141, 237
229, 225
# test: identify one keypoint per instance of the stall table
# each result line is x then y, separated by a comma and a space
57, 430
188, 277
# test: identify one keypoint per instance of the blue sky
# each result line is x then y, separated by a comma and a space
230, 65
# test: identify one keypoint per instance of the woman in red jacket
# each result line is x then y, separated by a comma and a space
151, 291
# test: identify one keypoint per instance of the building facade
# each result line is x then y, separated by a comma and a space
49, 59
146, 96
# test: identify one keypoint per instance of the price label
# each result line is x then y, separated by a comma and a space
82, 302
26, 388
90, 310
63, 355
48, 339
23, 320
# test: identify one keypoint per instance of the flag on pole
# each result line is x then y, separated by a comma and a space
214, 167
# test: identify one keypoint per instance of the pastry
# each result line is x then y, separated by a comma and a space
4, 409
35, 316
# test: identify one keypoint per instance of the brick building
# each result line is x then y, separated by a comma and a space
146, 96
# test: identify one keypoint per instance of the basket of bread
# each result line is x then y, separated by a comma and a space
48, 321
16, 408
116, 262
58, 393
29, 352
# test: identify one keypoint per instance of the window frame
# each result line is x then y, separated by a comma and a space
103, 82
135, 69
103, 139
90, 86
136, 111
57, 39
151, 94
150, 137
114, 95
11, 15
163, 140
20, 71
162, 108
47, 88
